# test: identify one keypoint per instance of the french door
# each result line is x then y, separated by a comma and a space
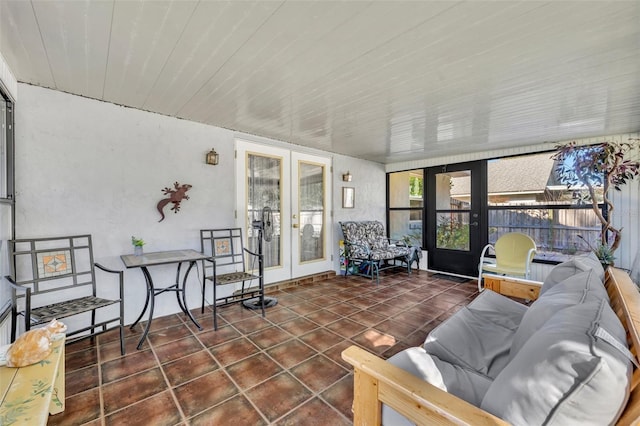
457, 226
297, 189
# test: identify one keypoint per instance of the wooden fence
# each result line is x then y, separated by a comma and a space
552, 230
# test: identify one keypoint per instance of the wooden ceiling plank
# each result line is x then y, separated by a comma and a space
22, 46
76, 37
215, 33
143, 36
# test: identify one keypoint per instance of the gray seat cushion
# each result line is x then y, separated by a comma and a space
578, 264
564, 374
479, 336
579, 288
456, 380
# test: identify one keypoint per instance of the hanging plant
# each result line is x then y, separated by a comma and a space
605, 165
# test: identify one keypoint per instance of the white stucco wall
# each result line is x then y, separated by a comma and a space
84, 166
369, 183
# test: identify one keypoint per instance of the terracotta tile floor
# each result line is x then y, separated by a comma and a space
284, 369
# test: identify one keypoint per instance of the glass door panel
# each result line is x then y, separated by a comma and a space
452, 231
406, 206
311, 203
453, 210
312, 213
264, 189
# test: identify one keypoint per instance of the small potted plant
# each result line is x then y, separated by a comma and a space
137, 245
603, 252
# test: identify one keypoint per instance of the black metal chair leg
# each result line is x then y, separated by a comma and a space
215, 308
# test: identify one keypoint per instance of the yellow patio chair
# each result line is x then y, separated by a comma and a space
514, 253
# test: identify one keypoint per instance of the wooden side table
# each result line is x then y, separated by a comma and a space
29, 394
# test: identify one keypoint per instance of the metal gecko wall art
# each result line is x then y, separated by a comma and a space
176, 195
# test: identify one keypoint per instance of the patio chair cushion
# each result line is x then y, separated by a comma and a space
368, 241
390, 252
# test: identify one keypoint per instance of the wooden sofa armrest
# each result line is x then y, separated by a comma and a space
377, 381
510, 286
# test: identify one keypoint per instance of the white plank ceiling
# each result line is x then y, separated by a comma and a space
388, 81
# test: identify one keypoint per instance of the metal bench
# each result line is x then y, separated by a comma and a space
54, 278
368, 250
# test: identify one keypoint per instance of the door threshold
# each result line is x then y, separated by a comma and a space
299, 281
451, 274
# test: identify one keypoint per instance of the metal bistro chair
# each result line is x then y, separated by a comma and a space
514, 253
226, 265
55, 278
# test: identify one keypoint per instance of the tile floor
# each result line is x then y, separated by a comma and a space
284, 369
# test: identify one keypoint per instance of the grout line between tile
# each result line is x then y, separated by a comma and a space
183, 417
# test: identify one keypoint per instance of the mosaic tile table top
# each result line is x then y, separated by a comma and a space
161, 258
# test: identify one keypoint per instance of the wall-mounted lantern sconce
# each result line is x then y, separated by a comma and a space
212, 157
347, 177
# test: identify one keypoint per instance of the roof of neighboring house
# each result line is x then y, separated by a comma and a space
530, 173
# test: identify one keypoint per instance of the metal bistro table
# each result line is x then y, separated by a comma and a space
163, 258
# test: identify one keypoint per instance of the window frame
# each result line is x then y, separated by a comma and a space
421, 209
7, 166
486, 208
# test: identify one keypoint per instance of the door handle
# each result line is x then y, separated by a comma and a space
295, 225
474, 223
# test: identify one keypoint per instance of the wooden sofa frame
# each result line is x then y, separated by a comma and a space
377, 381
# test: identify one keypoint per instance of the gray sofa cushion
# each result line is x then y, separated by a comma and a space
563, 374
578, 264
480, 335
579, 288
463, 383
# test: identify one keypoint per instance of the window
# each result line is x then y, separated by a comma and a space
6, 148
405, 191
7, 208
525, 195
453, 210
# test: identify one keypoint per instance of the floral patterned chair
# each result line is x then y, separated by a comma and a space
368, 250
